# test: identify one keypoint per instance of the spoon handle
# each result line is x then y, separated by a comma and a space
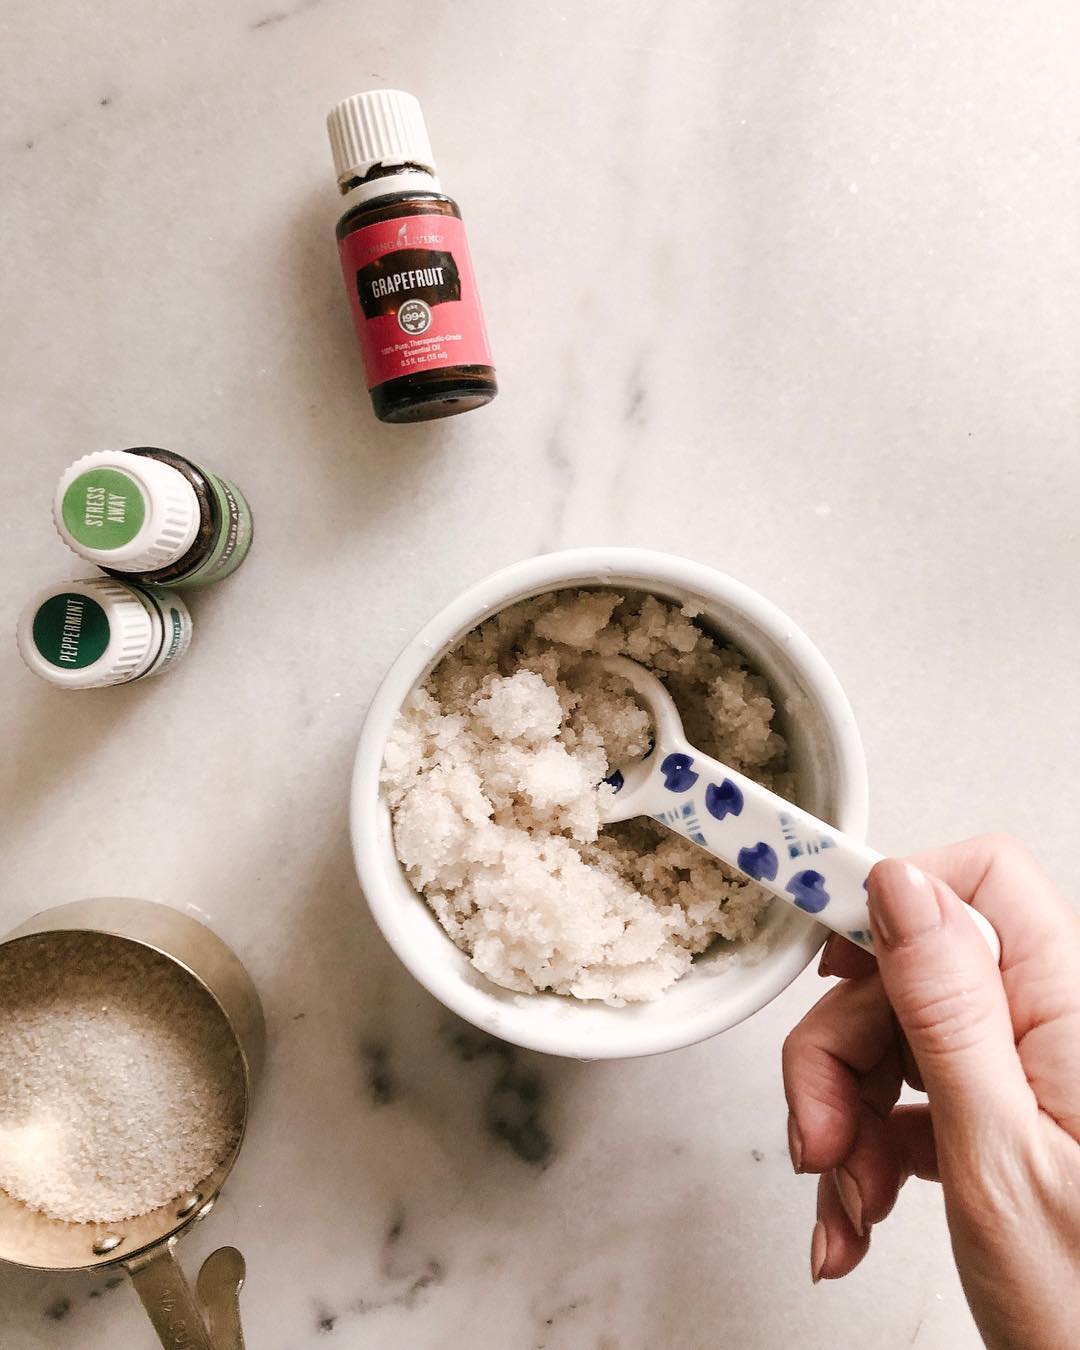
798, 858
220, 1281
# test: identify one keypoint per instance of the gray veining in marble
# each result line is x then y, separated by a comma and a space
789, 288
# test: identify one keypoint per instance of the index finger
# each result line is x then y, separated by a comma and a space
840, 1040
998, 876
843, 959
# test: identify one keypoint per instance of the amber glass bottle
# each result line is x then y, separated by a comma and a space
406, 265
152, 516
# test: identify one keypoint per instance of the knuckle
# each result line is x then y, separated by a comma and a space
821, 1089
798, 1046
792, 1046
820, 1083
944, 1020
1001, 845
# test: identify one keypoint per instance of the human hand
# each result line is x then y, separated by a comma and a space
997, 1053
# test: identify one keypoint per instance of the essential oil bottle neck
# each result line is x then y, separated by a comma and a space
384, 182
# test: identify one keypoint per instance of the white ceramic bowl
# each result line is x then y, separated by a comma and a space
826, 753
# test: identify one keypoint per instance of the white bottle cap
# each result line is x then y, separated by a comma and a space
383, 126
88, 633
126, 511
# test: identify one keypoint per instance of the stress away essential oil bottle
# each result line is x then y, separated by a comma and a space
152, 516
406, 264
95, 632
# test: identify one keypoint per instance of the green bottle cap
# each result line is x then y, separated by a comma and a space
87, 633
71, 631
103, 509
130, 512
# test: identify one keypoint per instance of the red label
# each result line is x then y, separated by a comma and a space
413, 295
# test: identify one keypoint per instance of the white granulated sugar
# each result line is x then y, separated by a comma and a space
120, 1084
492, 773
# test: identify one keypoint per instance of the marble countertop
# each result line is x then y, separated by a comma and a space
788, 289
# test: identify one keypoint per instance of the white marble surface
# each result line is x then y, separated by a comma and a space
789, 288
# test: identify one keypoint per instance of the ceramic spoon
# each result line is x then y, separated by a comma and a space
798, 858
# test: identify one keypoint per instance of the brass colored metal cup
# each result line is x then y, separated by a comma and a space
144, 1246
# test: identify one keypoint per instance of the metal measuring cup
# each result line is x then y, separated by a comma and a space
144, 1246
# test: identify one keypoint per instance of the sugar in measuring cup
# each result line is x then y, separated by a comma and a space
173, 998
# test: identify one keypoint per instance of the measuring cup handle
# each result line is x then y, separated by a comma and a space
798, 858
168, 1299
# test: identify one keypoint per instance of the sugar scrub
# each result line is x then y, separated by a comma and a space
120, 1083
493, 773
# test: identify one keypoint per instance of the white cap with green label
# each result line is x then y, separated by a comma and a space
129, 512
96, 631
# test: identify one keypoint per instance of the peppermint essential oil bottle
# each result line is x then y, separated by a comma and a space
406, 264
150, 515
94, 632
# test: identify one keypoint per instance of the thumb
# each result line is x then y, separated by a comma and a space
948, 997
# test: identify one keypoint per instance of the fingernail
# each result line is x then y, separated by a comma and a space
819, 1249
850, 1197
794, 1142
903, 903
